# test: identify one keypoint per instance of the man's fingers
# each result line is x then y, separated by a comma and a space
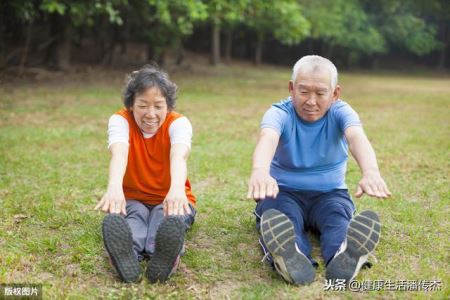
262, 191
256, 191
271, 190
359, 192
382, 191
379, 191
386, 190
376, 191
368, 190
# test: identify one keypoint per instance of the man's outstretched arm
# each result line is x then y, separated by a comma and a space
371, 182
261, 184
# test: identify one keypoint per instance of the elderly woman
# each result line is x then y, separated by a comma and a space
149, 197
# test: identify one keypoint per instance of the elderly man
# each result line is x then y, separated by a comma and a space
298, 178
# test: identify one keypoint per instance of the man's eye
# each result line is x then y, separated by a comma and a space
142, 107
158, 107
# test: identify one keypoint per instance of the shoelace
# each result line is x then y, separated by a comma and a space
266, 256
266, 253
372, 257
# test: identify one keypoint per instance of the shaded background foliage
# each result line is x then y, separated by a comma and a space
354, 33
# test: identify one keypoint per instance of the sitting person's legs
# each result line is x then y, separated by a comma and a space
345, 241
281, 223
124, 240
165, 242
330, 213
138, 219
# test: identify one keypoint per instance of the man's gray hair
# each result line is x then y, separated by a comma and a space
313, 63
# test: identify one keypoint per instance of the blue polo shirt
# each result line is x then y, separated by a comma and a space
310, 155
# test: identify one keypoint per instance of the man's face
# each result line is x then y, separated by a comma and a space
312, 94
150, 110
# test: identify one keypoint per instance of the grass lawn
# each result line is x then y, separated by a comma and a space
53, 170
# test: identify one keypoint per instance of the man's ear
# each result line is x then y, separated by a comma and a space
336, 92
291, 87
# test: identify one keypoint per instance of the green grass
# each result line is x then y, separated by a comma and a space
53, 169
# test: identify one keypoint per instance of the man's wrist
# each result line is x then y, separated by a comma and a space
260, 168
370, 171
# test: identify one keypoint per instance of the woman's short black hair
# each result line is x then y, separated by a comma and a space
147, 77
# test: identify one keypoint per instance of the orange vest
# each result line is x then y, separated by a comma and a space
147, 177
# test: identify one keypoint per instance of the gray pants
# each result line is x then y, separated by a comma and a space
144, 221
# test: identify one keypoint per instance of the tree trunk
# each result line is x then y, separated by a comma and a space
259, 49
445, 36
179, 52
161, 56
329, 51
228, 44
375, 62
23, 59
59, 51
215, 46
310, 46
124, 31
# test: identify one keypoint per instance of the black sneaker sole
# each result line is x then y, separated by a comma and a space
363, 234
278, 235
119, 244
168, 244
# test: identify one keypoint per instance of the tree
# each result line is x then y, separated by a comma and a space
344, 24
417, 26
172, 21
65, 14
283, 19
223, 13
403, 25
25, 12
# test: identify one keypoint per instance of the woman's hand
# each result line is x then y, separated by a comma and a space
176, 203
113, 201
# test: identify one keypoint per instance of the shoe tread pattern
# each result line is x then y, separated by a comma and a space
168, 244
119, 244
363, 234
278, 235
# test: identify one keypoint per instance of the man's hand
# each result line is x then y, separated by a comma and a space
176, 203
113, 201
262, 185
373, 185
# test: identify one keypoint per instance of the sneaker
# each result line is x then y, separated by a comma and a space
363, 234
168, 245
278, 235
119, 245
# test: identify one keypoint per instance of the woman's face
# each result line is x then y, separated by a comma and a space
150, 110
